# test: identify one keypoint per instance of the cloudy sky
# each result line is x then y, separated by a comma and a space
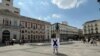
75, 12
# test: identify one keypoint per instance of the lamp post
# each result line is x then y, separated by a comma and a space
98, 2
57, 30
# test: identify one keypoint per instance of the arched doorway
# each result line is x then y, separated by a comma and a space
5, 36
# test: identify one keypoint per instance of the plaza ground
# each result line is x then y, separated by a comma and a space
75, 48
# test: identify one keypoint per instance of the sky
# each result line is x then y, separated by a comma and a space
74, 12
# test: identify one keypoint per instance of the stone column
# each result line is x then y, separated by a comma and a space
57, 34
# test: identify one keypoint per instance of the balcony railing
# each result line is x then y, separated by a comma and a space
10, 26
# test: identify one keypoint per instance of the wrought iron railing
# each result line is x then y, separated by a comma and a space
10, 26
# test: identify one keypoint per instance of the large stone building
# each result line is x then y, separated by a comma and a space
92, 29
15, 26
66, 32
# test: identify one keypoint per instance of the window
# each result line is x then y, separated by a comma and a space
84, 26
21, 25
95, 24
31, 25
91, 25
6, 22
96, 31
15, 23
36, 26
8, 0
31, 36
22, 31
31, 31
96, 28
14, 36
7, 4
25, 31
89, 31
22, 37
28, 37
10, 22
26, 24
88, 26
16, 12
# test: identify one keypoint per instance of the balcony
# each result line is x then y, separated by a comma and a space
10, 26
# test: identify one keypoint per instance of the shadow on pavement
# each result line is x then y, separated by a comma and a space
67, 43
48, 44
41, 44
2, 45
37, 52
11, 50
61, 54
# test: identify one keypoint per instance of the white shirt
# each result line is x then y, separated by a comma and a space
58, 42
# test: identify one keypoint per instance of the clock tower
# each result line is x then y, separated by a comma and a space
8, 3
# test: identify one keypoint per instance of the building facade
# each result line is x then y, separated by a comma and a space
92, 29
15, 26
8, 4
66, 32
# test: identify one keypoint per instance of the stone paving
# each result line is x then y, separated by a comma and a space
73, 49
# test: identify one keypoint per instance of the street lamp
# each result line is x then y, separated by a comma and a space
57, 30
57, 26
98, 1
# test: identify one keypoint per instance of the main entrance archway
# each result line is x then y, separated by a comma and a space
5, 36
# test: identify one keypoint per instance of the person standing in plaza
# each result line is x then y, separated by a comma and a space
55, 45
84, 40
93, 41
20, 42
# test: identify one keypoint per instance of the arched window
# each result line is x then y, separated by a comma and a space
22, 31
15, 23
6, 22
